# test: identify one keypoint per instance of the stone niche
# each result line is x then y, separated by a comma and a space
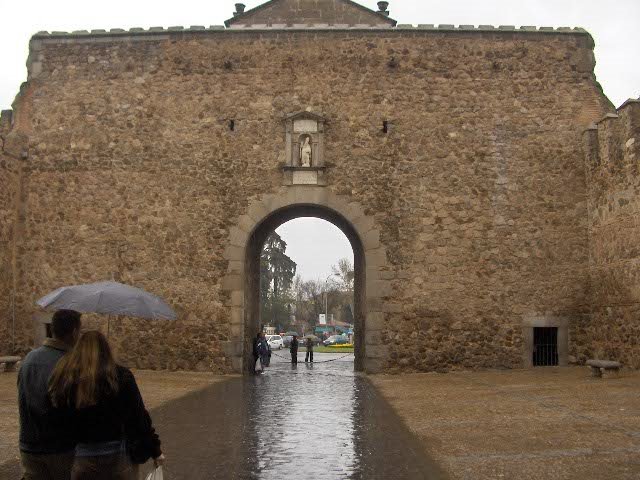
305, 163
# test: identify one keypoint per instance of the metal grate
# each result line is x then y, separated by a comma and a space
545, 346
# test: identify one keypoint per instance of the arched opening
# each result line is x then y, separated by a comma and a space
256, 241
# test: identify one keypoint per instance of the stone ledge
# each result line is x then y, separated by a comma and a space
608, 116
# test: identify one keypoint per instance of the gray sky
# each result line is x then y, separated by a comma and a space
315, 245
614, 25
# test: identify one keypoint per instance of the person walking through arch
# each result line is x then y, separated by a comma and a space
107, 417
255, 352
293, 348
309, 355
264, 351
46, 447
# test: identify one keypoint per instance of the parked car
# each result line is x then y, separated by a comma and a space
275, 342
286, 341
336, 340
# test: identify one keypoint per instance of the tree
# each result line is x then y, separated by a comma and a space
310, 297
345, 274
277, 271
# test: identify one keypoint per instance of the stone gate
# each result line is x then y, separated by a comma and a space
451, 157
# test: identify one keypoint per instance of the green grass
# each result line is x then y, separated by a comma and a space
323, 349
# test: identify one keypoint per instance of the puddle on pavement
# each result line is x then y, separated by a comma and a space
315, 421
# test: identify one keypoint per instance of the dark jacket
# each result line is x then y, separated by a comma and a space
263, 347
42, 429
119, 416
293, 348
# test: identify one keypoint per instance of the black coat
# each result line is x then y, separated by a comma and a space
293, 348
119, 416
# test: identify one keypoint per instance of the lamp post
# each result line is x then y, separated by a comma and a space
326, 297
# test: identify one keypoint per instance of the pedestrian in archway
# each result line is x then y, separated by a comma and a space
264, 351
255, 350
268, 354
309, 355
293, 348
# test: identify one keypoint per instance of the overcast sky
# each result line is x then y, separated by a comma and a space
614, 25
315, 245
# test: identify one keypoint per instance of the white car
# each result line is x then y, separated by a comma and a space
274, 341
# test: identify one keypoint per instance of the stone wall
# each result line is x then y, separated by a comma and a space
7, 182
477, 188
12, 149
613, 163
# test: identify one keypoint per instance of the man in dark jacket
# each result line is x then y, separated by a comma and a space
46, 448
293, 348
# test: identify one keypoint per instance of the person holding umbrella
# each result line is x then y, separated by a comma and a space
309, 355
293, 349
107, 417
100, 399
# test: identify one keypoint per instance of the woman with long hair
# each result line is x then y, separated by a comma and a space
110, 423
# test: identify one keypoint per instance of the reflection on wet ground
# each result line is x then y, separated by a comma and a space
313, 421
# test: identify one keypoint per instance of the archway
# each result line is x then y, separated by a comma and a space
371, 285
254, 248
306, 286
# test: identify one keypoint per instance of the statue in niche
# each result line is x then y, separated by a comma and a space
306, 152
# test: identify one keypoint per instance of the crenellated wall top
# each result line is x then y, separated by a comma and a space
402, 28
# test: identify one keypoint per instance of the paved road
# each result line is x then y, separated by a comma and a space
317, 421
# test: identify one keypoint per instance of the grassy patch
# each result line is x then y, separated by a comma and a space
343, 350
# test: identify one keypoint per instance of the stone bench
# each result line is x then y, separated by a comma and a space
9, 363
607, 368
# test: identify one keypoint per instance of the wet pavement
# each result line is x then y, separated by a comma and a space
316, 421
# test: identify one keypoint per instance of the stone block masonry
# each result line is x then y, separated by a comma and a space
477, 193
12, 155
612, 149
